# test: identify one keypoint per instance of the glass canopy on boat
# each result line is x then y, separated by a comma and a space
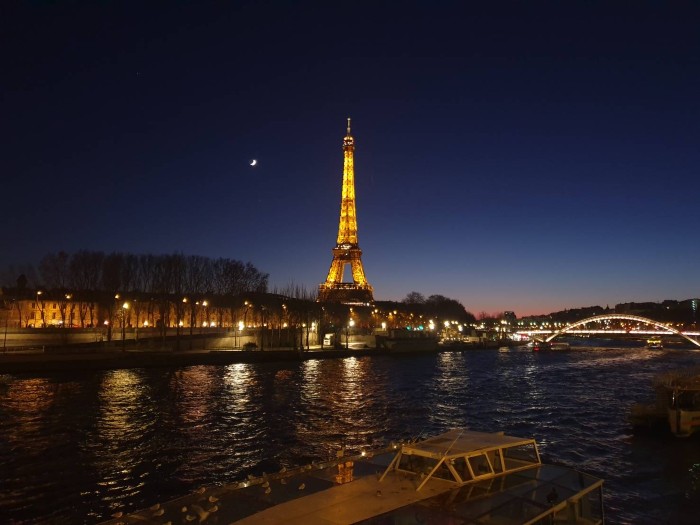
497, 479
462, 456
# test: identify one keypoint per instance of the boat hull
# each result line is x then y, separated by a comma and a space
684, 423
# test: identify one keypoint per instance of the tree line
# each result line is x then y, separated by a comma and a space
175, 274
159, 283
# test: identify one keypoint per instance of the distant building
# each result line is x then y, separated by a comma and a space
510, 317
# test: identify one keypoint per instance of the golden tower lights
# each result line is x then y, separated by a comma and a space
346, 250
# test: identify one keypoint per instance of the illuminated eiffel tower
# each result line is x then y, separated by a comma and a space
346, 250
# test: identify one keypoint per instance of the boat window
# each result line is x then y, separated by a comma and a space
424, 466
460, 465
417, 464
519, 456
496, 460
444, 473
480, 465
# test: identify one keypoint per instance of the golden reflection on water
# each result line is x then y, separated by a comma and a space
27, 403
244, 425
195, 389
310, 371
119, 394
120, 428
337, 401
237, 388
449, 383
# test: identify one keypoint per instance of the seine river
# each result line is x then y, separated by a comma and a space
75, 448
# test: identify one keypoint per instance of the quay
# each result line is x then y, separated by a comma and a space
98, 359
57, 359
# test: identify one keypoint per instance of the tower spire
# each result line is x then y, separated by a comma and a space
347, 251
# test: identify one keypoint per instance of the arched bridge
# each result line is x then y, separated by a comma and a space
623, 317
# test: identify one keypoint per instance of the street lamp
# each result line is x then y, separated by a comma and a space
245, 314
351, 323
70, 315
38, 293
245, 319
240, 332
125, 308
192, 317
4, 341
262, 328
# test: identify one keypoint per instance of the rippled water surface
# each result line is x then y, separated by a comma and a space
75, 448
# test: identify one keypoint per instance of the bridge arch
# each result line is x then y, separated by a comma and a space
623, 317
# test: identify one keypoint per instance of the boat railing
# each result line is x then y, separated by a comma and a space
586, 506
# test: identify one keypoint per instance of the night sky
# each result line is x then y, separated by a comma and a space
526, 156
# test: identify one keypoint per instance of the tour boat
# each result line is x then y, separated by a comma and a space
399, 341
542, 345
655, 344
460, 476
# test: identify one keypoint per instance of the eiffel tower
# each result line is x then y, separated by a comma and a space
346, 250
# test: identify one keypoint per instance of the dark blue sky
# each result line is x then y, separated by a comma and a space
527, 156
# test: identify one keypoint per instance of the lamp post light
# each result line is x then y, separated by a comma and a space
245, 314
240, 332
283, 324
351, 323
4, 341
196, 305
137, 313
262, 328
70, 310
321, 325
41, 310
245, 319
125, 309
184, 302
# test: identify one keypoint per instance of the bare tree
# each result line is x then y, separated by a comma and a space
54, 270
197, 280
129, 273
414, 298
85, 275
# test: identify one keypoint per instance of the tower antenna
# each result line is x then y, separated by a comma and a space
348, 125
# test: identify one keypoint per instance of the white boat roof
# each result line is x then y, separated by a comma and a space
460, 442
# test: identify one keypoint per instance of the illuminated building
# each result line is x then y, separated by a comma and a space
347, 250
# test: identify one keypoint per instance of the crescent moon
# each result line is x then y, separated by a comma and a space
253, 162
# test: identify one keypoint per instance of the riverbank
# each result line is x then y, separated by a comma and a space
15, 362
38, 362
185, 351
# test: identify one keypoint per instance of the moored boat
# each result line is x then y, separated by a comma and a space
399, 341
655, 343
460, 476
544, 345
677, 403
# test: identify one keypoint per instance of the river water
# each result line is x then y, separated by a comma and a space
77, 447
